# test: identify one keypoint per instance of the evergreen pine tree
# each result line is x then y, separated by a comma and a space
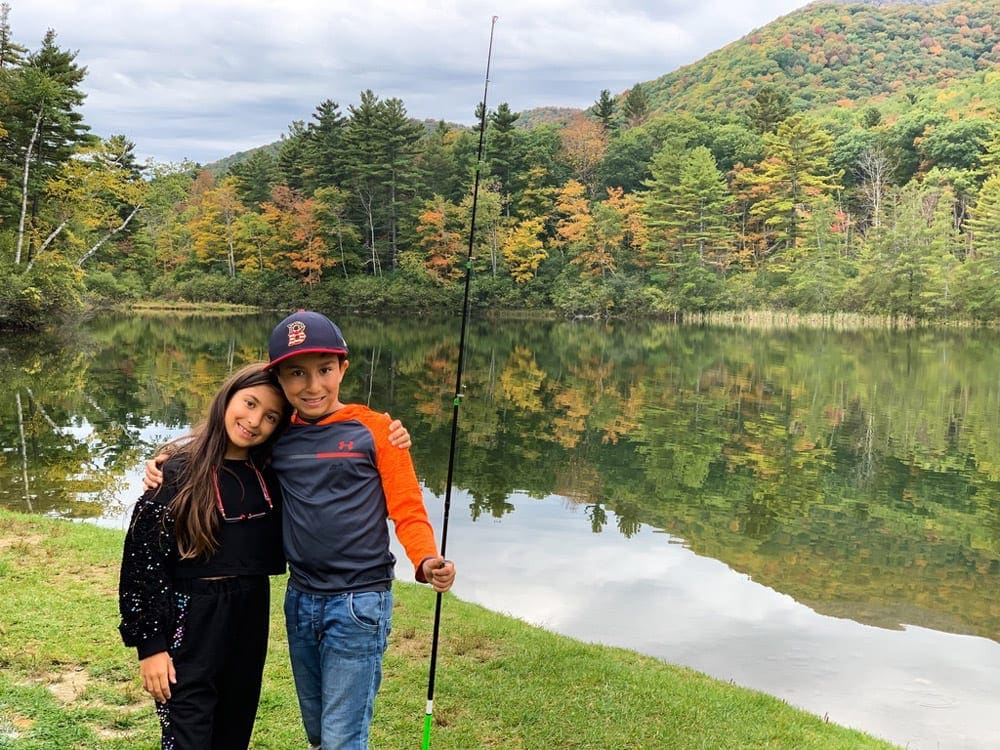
255, 176
769, 108
12, 54
323, 151
604, 110
636, 106
500, 144
984, 221
291, 156
399, 138
796, 168
685, 207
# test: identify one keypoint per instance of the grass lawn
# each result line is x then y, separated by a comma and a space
66, 681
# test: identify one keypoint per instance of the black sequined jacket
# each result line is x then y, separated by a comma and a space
148, 597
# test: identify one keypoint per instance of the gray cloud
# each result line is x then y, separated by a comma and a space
202, 80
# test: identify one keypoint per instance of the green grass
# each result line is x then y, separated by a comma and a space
67, 682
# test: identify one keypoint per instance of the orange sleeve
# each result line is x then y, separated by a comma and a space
403, 497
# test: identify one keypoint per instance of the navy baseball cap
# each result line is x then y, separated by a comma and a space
304, 332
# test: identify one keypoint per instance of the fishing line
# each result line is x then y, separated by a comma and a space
458, 392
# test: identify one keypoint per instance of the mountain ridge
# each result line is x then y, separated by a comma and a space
826, 55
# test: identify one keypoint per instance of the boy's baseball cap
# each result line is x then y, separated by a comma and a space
304, 332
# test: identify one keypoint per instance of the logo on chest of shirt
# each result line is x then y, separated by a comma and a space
352, 442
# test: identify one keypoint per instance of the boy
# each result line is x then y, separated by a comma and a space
341, 481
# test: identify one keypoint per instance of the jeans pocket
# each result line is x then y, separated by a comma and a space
368, 609
295, 617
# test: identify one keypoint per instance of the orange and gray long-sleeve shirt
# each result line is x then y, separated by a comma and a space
341, 480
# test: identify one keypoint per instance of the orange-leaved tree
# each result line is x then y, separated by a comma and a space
584, 143
297, 233
439, 235
591, 235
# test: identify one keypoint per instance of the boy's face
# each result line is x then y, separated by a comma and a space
311, 383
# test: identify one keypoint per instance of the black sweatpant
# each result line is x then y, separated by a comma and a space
218, 649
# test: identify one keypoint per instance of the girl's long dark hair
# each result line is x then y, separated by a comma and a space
196, 518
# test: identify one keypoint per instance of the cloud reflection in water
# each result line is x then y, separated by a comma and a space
920, 688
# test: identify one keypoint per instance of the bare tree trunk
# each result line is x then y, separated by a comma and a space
231, 258
48, 241
367, 206
340, 244
875, 167
109, 235
230, 245
371, 374
24, 452
494, 248
38, 407
53, 235
394, 253
94, 405
24, 188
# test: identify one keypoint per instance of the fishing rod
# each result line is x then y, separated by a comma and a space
458, 392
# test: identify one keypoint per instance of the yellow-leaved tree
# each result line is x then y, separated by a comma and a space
93, 196
524, 250
213, 226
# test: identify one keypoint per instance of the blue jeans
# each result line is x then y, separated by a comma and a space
336, 644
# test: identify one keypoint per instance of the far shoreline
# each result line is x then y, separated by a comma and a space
751, 318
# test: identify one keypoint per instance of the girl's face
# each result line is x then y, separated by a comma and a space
252, 415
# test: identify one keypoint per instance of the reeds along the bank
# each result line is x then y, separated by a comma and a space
784, 319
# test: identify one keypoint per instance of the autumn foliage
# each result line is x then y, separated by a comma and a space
830, 161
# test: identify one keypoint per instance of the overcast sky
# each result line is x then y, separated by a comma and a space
202, 80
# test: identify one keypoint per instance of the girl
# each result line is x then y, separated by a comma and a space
194, 593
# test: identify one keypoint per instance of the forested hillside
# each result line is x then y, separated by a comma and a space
845, 157
842, 55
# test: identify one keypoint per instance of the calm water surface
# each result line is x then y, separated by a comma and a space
814, 514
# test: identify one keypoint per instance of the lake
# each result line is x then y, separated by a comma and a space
813, 513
